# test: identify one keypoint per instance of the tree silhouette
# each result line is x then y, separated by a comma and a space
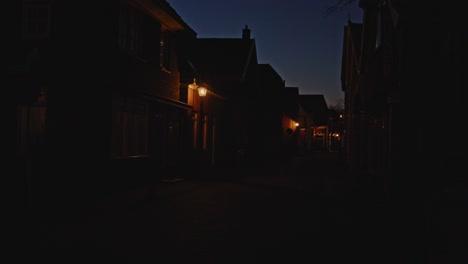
338, 106
339, 5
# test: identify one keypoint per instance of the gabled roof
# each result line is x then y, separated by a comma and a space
354, 30
165, 13
356, 35
223, 58
291, 92
268, 70
351, 50
316, 106
291, 102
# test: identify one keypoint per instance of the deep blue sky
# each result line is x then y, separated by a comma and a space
295, 37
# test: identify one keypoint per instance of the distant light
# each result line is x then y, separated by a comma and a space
202, 91
297, 124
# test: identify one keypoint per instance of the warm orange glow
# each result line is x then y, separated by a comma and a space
193, 85
202, 91
296, 124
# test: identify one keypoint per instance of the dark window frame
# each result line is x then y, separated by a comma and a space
131, 31
36, 19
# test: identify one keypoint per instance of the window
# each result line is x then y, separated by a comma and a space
131, 30
31, 120
35, 19
129, 128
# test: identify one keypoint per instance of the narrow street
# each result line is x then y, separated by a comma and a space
304, 211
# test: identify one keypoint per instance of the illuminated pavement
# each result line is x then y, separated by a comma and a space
304, 211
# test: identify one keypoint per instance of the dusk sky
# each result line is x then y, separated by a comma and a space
297, 37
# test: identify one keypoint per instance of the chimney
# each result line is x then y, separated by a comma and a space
246, 33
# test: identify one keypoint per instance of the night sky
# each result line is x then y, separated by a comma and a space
298, 38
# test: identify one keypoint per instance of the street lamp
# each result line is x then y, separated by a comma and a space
201, 90
202, 93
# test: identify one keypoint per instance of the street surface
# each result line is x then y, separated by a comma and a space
302, 211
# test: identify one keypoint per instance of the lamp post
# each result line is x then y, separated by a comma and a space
202, 93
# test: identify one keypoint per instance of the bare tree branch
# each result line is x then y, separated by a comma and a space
339, 6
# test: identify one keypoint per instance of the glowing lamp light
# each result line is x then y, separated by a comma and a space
193, 85
202, 91
296, 124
